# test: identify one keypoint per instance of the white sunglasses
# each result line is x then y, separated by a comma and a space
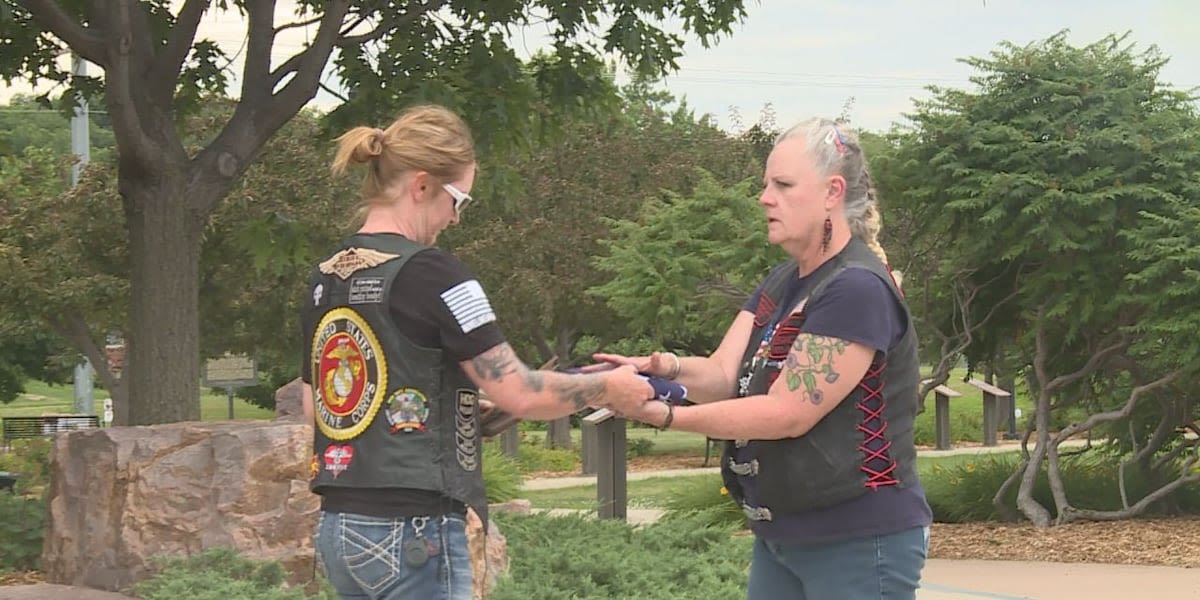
461, 199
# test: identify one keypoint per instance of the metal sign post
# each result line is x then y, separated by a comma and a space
231, 372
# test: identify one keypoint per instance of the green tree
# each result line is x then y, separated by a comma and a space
156, 70
1049, 206
69, 285
536, 255
682, 266
25, 122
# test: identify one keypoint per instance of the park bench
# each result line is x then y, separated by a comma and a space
16, 428
992, 414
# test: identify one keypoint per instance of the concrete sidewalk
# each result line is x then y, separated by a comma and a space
1014, 580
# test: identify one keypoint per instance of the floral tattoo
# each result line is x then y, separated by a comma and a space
811, 357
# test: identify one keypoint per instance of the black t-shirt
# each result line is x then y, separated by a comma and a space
436, 302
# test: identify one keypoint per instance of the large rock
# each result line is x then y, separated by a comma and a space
289, 401
122, 495
489, 555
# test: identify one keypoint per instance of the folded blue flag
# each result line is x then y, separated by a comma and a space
664, 389
667, 390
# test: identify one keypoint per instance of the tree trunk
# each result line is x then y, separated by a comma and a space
163, 349
1034, 511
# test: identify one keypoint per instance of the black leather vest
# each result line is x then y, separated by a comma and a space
389, 413
840, 457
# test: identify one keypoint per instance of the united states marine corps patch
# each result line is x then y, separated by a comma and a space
346, 262
351, 374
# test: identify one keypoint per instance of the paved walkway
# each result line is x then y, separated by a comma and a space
1014, 580
48, 591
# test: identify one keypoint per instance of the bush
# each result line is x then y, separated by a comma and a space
963, 493
635, 447
575, 557
29, 459
501, 475
533, 457
222, 574
704, 499
21, 529
23, 513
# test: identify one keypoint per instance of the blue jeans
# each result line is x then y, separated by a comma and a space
363, 557
885, 567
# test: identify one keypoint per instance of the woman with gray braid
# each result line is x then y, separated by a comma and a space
815, 387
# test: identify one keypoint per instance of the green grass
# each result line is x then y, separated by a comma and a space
665, 442
42, 398
656, 491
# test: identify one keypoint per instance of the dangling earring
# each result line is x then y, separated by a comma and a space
827, 235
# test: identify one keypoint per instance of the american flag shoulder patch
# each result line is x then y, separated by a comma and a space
469, 305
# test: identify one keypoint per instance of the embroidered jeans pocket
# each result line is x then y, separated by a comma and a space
371, 550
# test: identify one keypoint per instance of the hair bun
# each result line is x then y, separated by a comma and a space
375, 142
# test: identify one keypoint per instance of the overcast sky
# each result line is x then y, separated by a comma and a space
809, 58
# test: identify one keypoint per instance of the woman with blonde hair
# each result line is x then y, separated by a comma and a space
399, 338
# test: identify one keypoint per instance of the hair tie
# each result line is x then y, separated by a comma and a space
836, 138
377, 141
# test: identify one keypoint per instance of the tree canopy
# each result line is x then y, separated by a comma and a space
156, 69
1052, 220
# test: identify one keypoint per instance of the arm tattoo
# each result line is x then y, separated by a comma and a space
535, 380
494, 364
812, 356
578, 390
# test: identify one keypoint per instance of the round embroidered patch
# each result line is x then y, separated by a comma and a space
407, 410
350, 374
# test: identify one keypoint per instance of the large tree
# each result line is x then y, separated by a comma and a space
1053, 207
155, 69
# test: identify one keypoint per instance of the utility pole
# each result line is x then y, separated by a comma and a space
81, 148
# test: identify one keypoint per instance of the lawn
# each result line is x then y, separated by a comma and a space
664, 442
41, 398
656, 491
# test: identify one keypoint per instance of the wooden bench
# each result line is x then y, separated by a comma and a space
17, 428
608, 448
941, 413
991, 409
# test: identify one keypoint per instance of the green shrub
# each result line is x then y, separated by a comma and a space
21, 526
704, 499
533, 457
29, 460
221, 574
636, 447
501, 475
555, 558
963, 493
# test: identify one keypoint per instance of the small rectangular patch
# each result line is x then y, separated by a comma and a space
366, 290
469, 305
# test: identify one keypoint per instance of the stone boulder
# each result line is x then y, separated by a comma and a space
289, 401
122, 495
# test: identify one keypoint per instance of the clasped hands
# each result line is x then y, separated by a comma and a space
637, 387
